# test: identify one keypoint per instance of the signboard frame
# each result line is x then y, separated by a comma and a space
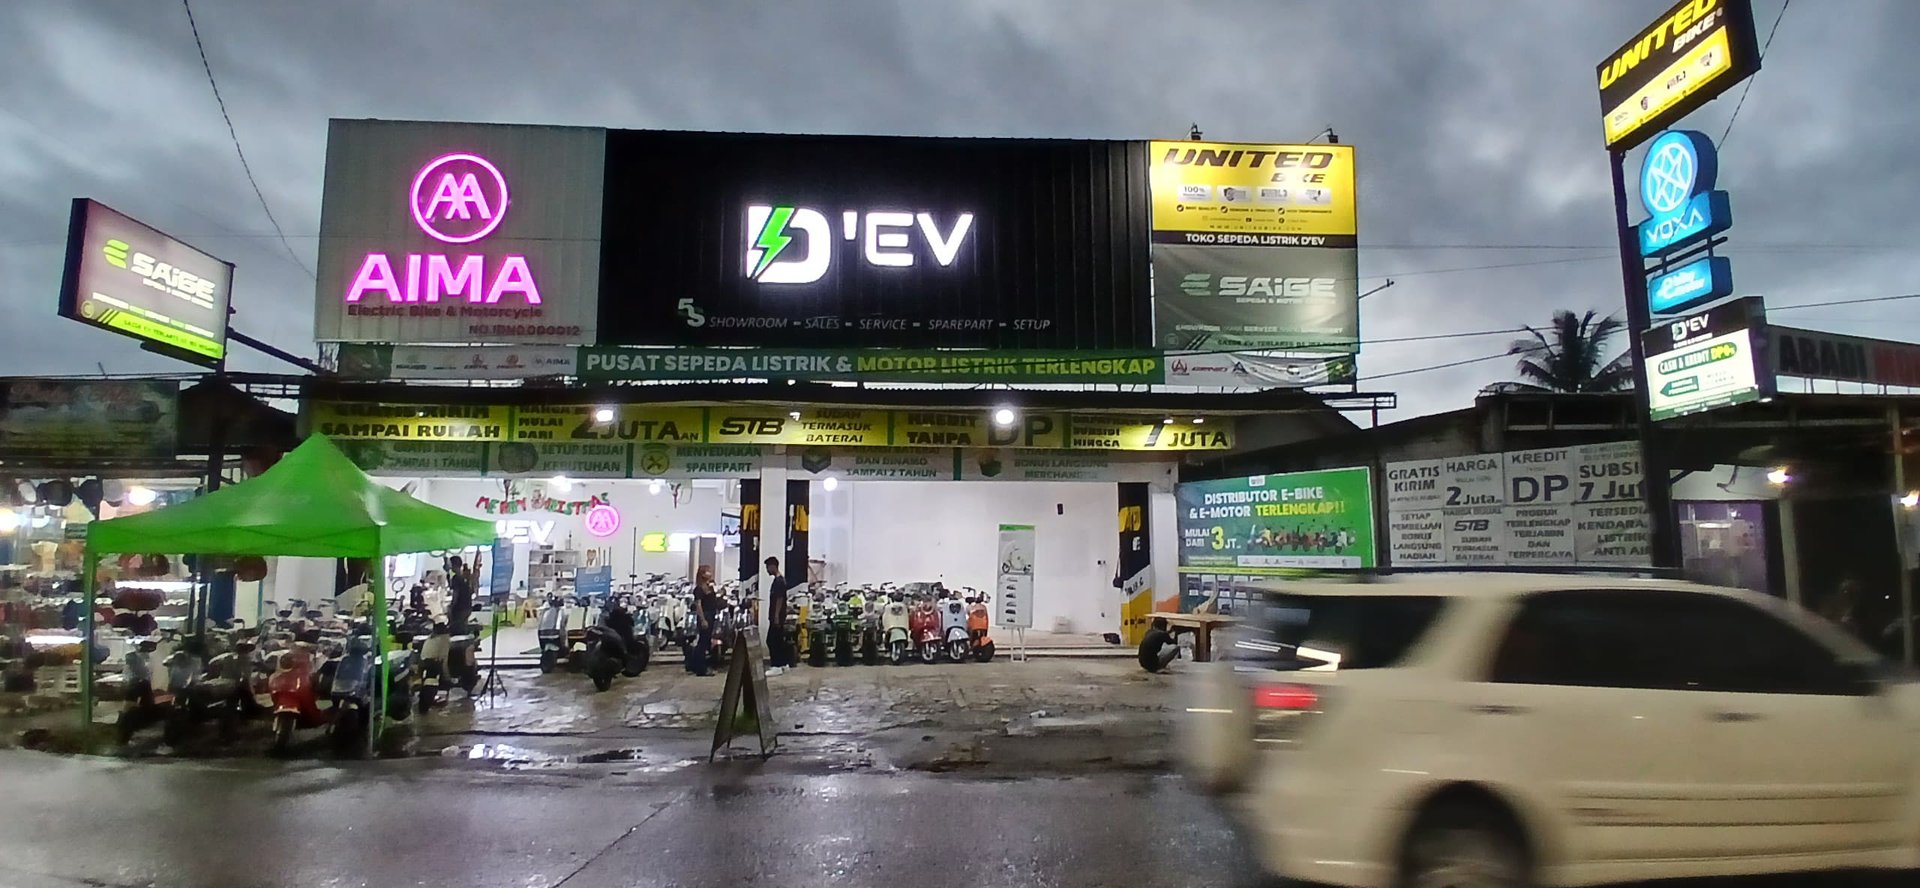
1254, 503
1693, 342
166, 274
1659, 55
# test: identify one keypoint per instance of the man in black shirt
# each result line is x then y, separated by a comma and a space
460, 604
1158, 648
777, 649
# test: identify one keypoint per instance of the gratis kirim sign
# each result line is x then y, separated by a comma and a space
1694, 51
460, 233
126, 277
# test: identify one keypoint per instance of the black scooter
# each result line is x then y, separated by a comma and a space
612, 646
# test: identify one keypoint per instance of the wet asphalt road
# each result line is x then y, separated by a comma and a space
95, 822
103, 823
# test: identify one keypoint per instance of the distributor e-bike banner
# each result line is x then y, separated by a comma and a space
1254, 246
1276, 524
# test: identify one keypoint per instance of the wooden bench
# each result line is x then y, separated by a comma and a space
1201, 625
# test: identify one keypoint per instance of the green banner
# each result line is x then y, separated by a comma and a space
613, 364
1276, 524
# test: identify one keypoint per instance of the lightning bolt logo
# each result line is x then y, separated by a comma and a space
772, 239
116, 253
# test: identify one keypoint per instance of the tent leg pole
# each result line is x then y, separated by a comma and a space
376, 579
90, 567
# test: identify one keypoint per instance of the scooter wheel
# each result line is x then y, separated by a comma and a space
548, 662
426, 700
282, 731
983, 653
603, 680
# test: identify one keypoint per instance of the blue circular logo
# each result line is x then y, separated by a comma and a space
1679, 164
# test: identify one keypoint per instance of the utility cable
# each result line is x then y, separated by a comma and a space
1749, 85
235, 136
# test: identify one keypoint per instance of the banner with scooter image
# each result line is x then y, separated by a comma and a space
1014, 579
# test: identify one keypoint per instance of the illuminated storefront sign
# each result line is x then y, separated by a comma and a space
603, 520
1693, 52
456, 199
1701, 280
1676, 187
885, 239
129, 278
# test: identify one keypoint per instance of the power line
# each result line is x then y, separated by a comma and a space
1749, 87
235, 136
1844, 302
1435, 367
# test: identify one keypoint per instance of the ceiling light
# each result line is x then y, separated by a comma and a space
1779, 476
560, 483
141, 496
795, 414
1199, 420
1911, 500
829, 484
1167, 421
1004, 416
603, 414
9, 521
653, 487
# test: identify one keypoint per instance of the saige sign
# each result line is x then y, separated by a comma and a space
460, 234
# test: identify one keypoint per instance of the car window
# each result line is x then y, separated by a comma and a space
1662, 639
1335, 631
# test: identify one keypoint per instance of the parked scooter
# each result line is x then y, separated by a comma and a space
613, 647
925, 623
897, 626
872, 640
846, 628
953, 627
446, 662
819, 629
294, 704
800, 616
354, 681
979, 618
553, 633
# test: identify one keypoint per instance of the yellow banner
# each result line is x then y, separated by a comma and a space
577, 422
410, 422
1699, 69
844, 428
1225, 188
724, 425
1105, 433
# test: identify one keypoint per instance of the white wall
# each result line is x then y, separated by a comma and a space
914, 531
696, 511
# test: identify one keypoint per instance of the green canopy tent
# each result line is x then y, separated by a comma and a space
314, 503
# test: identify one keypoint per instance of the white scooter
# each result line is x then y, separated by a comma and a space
896, 627
953, 627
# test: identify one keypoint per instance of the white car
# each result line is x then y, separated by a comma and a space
1446, 731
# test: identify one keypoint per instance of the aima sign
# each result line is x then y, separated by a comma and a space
456, 199
794, 245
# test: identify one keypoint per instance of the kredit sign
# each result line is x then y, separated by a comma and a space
460, 233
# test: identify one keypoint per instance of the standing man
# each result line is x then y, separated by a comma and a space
706, 606
777, 642
460, 585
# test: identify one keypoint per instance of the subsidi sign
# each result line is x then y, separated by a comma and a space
126, 277
1691, 53
758, 426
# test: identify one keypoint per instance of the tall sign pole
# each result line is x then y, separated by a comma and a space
1693, 52
1663, 538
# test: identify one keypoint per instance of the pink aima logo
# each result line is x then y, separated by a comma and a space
457, 199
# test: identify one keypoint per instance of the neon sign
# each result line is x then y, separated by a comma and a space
603, 520
885, 241
456, 199
1676, 185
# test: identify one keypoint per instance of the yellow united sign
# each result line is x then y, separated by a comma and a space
732, 426
1228, 194
1694, 51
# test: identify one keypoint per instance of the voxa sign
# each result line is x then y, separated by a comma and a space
456, 199
1676, 187
795, 244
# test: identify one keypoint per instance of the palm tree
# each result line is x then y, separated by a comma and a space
1565, 356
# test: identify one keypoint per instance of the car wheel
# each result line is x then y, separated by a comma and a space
1464, 846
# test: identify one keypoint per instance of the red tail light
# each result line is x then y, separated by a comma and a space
1286, 697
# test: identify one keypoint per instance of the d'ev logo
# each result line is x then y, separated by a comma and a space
795, 244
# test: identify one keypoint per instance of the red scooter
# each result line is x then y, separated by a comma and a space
294, 703
924, 623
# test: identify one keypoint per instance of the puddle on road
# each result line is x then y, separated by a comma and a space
519, 758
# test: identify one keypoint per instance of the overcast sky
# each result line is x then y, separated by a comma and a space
1476, 121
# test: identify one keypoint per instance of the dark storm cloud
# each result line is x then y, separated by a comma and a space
1476, 122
